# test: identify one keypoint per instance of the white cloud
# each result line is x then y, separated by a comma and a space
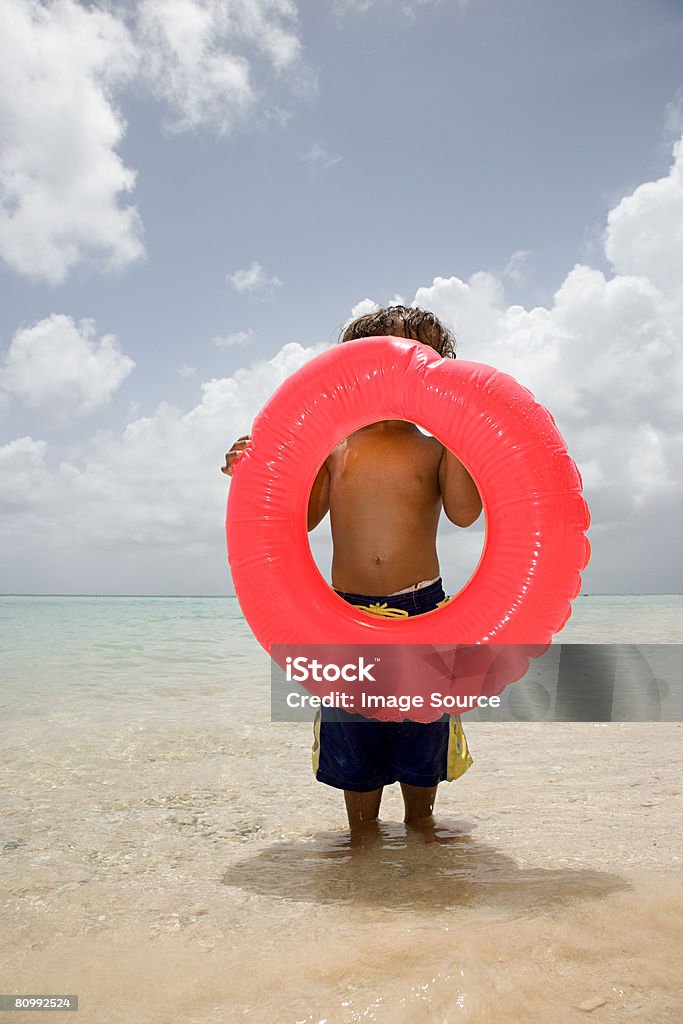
156, 487
253, 279
61, 180
605, 357
341, 6
370, 306
645, 231
24, 475
361, 308
673, 116
61, 368
235, 339
317, 156
191, 59
63, 185
270, 25
514, 269
408, 8
187, 371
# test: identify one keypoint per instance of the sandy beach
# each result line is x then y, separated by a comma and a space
196, 895
167, 855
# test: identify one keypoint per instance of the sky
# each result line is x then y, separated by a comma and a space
195, 195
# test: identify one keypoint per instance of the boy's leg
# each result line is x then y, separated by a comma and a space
418, 802
362, 808
350, 753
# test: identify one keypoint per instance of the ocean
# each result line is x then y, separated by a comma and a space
167, 854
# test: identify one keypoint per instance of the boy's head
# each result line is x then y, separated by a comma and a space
403, 322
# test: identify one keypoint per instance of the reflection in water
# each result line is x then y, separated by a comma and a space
399, 869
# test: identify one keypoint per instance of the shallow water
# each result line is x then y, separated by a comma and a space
166, 853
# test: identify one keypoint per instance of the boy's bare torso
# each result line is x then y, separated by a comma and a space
384, 501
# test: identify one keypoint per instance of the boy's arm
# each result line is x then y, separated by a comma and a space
461, 501
319, 501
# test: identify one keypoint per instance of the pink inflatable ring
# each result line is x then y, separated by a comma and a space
535, 547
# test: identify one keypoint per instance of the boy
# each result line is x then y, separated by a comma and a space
385, 560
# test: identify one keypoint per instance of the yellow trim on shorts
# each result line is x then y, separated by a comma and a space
315, 750
459, 758
383, 610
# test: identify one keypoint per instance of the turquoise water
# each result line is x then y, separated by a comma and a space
137, 646
184, 660
124, 645
143, 649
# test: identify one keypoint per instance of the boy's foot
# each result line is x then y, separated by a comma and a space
418, 802
432, 831
363, 836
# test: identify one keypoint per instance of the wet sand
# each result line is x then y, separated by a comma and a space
200, 874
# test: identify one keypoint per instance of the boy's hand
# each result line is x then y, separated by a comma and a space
231, 457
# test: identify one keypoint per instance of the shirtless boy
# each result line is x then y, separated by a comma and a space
384, 555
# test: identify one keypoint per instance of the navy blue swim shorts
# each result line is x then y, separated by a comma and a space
360, 754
